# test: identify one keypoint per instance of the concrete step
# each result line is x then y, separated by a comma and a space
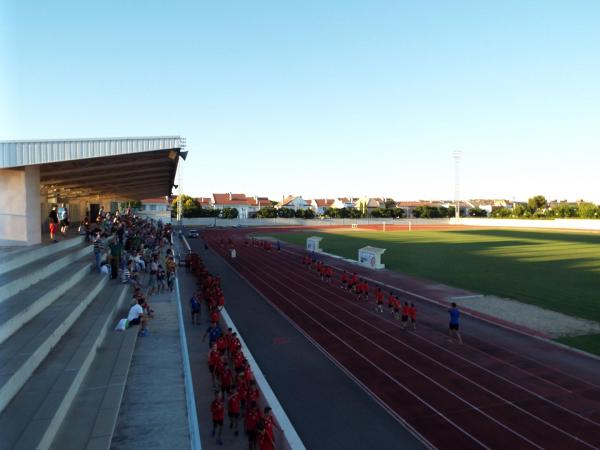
24, 351
91, 421
34, 416
18, 257
19, 279
24, 306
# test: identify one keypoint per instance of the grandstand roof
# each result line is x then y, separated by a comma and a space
128, 168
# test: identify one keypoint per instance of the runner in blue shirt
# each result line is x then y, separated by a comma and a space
454, 326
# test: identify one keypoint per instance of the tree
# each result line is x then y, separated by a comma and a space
587, 211
537, 202
267, 212
477, 212
564, 210
190, 206
500, 213
229, 213
355, 213
390, 203
399, 213
519, 211
285, 212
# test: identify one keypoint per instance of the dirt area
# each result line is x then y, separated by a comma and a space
551, 323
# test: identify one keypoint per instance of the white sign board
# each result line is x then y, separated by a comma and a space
312, 244
371, 257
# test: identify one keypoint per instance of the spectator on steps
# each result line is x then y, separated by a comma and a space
136, 317
53, 223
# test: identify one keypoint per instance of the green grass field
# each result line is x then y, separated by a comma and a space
555, 270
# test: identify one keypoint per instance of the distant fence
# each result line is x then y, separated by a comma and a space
215, 222
572, 224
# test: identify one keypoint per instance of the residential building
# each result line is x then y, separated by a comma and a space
293, 202
343, 202
319, 205
246, 206
155, 208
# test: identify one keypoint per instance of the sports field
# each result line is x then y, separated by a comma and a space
555, 270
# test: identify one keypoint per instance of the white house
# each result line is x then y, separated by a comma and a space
368, 204
343, 202
293, 202
155, 208
246, 206
319, 205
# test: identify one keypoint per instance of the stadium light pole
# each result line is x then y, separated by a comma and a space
457, 154
179, 199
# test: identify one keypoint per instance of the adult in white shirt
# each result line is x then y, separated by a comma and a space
136, 315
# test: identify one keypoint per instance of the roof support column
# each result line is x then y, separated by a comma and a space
20, 211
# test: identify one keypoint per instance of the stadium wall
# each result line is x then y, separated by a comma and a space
215, 222
571, 224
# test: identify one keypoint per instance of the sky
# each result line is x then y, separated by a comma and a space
321, 98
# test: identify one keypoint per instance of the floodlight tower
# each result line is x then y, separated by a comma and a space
457, 154
179, 199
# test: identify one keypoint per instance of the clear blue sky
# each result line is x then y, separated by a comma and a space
321, 98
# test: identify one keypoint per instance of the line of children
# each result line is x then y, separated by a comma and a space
235, 389
360, 287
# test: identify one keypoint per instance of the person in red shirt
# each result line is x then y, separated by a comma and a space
390, 302
234, 405
253, 393
265, 442
396, 308
250, 424
352, 282
270, 423
226, 380
218, 414
213, 361
413, 315
344, 280
214, 315
329, 274
379, 299
405, 314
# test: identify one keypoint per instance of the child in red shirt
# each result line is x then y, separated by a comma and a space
379, 300
250, 424
405, 314
413, 315
218, 414
234, 405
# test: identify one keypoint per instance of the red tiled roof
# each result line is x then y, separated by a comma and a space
324, 201
203, 200
230, 199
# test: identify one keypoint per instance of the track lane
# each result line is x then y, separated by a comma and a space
548, 435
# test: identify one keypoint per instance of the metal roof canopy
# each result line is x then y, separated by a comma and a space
121, 168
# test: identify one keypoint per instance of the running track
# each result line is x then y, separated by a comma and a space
478, 395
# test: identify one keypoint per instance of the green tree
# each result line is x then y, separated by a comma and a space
519, 211
477, 212
191, 208
537, 202
229, 213
564, 210
390, 203
355, 213
587, 211
500, 213
399, 212
286, 213
267, 212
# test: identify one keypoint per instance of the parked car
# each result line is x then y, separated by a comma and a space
193, 234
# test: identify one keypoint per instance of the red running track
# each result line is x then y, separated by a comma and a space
477, 395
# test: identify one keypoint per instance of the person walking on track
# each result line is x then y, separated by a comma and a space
454, 324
